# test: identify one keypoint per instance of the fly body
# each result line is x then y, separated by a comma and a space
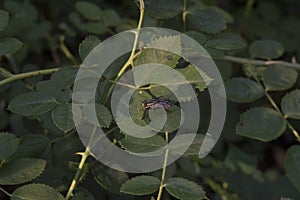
156, 103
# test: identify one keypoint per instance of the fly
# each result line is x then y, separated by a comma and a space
156, 103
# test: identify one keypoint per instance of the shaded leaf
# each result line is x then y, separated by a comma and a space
32, 103
226, 44
292, 165
163, 9
87, 45
243, 90
9, 45
36, 192
62, 117
184, 189
279, 78
4, 16
263, 124
141, 185
8, 145
110, 179
267, 49
21, 170
290, 105
207, 20
198, 36
88, 10
142, 145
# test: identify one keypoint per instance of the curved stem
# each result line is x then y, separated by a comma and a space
2, 190
132, 55
164, 169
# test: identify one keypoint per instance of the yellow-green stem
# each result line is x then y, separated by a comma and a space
164, 169
184, 16
1, 189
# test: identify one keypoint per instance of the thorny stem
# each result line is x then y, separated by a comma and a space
132, 55
164, 169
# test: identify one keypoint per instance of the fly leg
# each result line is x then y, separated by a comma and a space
144, 114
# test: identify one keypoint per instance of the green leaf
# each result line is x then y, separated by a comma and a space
88, 10
111, 18
142, 145
199, 37
290, 105
292, 165
21, 170
32, 146
214, 53
36, 192
141, 185
87, 45
62, 117
196, 77
163, 9
104, 116
208, 20
226, 44
266, 49
184, 189
8, 145
243, 90
226, 16
263, 124
279, 78
4, 16
108, 178
9, 45
32, 103
153, 53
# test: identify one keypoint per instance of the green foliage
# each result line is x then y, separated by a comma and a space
41, 154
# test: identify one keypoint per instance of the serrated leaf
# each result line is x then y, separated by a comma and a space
226, 44
88, 10
36, 192
104, 116
21, 170
292, 165
266, 49
4, 16
184, 189
8, 145
263, 124
163, 9
142, 145
32, 146
243, 90
63, 118
279, 78
198, 36
207, 20
87, 45
32, 103
290, 105
153, 52
196, 77
110, 179
65, 76
141, 185
9, 45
